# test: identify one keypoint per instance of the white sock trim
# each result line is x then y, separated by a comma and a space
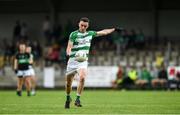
78, 94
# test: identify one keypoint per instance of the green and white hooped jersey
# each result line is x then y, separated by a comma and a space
81, 41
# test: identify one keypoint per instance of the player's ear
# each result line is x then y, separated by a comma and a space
79, 24
88, 25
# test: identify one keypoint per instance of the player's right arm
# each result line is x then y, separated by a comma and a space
15, 64
69, 47
70, 43
15, 67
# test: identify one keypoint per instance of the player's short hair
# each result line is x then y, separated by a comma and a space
84, 19
22, 43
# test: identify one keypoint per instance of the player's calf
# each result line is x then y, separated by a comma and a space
68, 102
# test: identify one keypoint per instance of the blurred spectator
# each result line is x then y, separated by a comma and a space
24, 31
68, 28
9, 52
159, 60
2, 63
140, 39
173, 78
62, 56
162, 79
126, 37
119, 78
119, 42
51, 57
57, 31
132, 38
145, 79
129, 81
17, 31
36, 50
154, 72
178, 79
47, 29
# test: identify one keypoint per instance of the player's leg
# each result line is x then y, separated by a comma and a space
82, 74
28, 85
68, 88
20, 82
154, 83
33, 83
163, 83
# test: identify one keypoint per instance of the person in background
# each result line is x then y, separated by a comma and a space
21, 68
144, 79
130, 79
47, 30
162, 78
119, 78
32, 72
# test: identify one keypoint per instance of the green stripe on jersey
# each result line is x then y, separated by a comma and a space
73, 55
22, 61
80, 48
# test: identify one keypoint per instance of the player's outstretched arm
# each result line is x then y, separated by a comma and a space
105, 32
108, 31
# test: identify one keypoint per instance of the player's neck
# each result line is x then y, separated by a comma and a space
21, 52
82, 31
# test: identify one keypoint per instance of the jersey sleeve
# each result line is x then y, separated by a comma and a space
93, 33
72, 37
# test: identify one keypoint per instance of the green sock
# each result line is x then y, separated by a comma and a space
68, 98
28, 93
78, 97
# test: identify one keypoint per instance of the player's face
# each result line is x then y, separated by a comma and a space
22, 47
83, 26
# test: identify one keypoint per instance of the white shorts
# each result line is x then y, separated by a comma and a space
24, 73
74, 66
32, 72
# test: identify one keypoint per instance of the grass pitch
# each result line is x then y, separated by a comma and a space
93, 101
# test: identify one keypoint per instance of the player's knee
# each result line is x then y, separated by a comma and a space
82, 79
68, 85
70, 76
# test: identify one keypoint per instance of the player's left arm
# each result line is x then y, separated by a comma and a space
31, 59
105, 32
108, 31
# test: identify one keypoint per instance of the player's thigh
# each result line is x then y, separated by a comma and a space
20, 80
69, 78
33, 78
28, 80
82, 72
163, 81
